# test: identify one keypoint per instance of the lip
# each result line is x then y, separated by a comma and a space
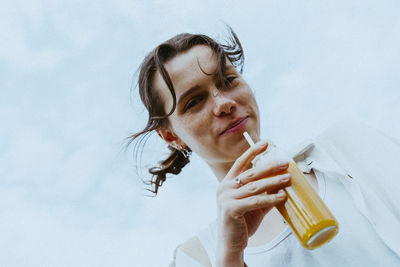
235, 125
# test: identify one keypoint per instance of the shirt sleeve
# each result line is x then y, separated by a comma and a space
181, 259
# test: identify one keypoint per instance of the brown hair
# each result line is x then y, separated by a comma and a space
158, 117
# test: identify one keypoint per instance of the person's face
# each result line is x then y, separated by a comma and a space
212, 126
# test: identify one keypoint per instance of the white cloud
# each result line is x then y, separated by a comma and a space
19, 23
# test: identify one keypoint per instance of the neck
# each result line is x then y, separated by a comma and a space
220, 169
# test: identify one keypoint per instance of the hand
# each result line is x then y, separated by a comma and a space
241, 208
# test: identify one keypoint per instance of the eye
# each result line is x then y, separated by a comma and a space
229, 80
192, 103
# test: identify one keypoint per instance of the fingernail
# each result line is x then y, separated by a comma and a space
281, 193
263, 143
285, 177
283, 164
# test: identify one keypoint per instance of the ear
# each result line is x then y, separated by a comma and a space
170, 138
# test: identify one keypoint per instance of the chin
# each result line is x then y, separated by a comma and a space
254, 132
240, 148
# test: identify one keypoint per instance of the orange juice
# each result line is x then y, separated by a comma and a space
304, 211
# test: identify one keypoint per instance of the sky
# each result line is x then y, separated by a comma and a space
71, 195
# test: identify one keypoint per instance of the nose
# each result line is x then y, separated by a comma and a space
224, 105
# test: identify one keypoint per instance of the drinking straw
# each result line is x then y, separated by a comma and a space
248, 139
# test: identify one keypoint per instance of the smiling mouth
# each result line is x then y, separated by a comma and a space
235, 126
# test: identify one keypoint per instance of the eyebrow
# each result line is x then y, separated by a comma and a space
187, 93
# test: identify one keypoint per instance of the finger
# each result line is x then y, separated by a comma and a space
269, 185
245, 159
267, 170
260, 201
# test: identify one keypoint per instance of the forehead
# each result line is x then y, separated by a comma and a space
186, 69
190, 61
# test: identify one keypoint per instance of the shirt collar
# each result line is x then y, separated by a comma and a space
307, 156
298, 152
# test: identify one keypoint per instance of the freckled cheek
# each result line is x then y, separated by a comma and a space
200, 126
195, 128
247, 99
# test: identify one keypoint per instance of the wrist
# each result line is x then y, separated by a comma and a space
231, 259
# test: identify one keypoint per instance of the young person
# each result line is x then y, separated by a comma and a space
198, 101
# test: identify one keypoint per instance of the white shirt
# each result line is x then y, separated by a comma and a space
356, 244
360, 165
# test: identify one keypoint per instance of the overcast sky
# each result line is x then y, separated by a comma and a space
69, 193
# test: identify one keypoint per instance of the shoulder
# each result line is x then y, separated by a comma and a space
359, 148
346, 128
192, 251
350, 133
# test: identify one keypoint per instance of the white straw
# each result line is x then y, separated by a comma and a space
248, 139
